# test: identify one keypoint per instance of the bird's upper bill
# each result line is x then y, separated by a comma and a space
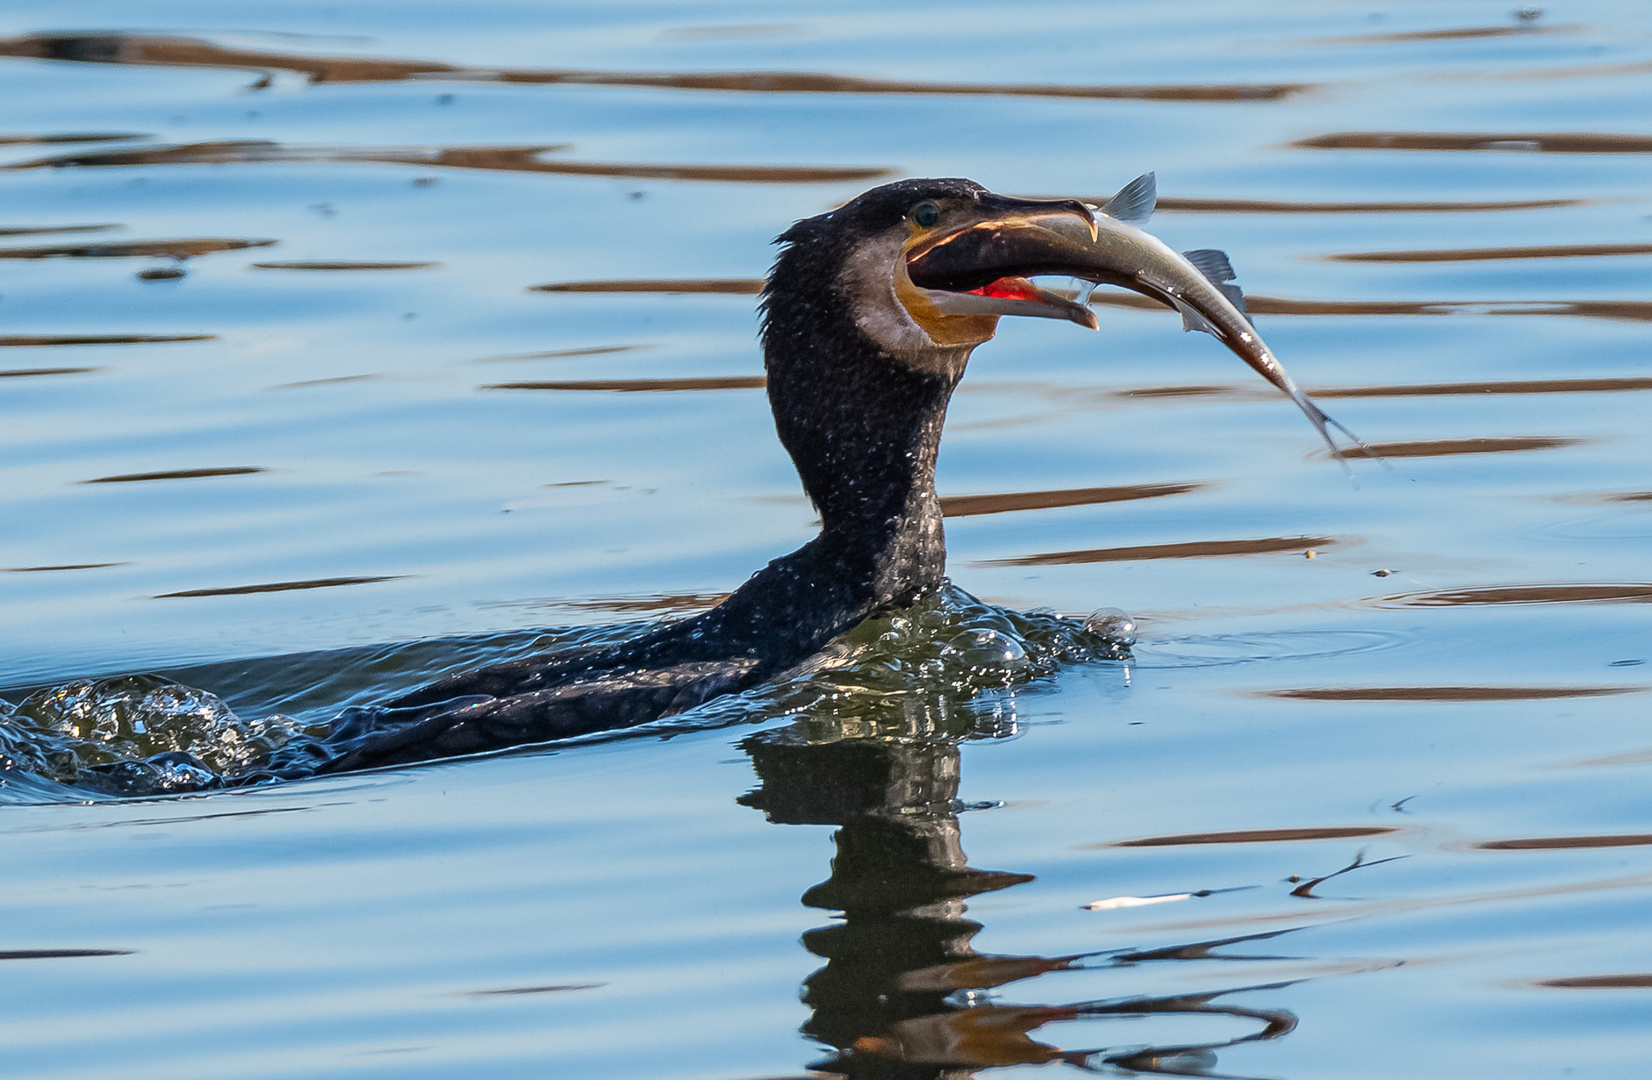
976, 259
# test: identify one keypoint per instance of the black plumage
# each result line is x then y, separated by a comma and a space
863, 428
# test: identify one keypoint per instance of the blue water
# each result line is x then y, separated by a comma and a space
874, 876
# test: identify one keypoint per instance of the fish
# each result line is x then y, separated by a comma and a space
1105, 245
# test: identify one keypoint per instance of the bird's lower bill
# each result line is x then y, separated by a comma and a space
1013, 296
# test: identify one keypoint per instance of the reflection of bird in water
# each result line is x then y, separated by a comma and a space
870, 314
903, 994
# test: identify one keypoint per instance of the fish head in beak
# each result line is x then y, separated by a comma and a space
963, 266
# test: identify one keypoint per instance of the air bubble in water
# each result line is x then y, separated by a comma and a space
984, 648
1112, 623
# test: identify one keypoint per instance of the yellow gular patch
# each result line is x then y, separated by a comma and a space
942, 329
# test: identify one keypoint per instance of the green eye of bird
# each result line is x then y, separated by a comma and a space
926, 214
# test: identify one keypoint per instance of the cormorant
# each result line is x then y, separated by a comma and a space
869, 316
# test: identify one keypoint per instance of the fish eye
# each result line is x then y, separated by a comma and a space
926, 214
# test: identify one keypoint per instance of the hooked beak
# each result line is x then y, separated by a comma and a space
984, 267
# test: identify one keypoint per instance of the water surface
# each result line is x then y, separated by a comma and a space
341, 346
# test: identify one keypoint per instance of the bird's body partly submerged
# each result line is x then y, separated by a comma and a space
869, 318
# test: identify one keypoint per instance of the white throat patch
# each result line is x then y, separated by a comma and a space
868, 280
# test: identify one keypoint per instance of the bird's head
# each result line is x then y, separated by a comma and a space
925, 268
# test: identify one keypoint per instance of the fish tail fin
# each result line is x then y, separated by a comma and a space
1324, 422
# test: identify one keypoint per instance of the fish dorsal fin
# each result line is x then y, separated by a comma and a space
1211, 263
1218, 271
1134, 203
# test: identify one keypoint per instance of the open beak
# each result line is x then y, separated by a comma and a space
985, 267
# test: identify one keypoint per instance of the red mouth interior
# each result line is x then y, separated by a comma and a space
1011, 288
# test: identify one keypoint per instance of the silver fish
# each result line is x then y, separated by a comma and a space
1104, 246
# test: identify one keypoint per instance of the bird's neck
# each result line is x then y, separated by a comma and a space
863, 429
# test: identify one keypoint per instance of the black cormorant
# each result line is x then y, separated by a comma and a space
869, 315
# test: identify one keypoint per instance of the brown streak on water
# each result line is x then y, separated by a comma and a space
1516, 386
1273, 305
60, 954
38, 230
29, 373
1550, 251
972, 505
559, 354
1249, 836
806, 82
1447, 693
195, 52
280, 586
67, 136
324, 382
1206, 390
1598, 982
36, 340
1566, 843
1622, 593
1465, 33
1549, 142
1195, 550
493, 158
156, 50
1448, 447
257, 151
1621, 310
710, 382
748, 174
519, 991
177, 249
177, 474
66, 566
344, 265
668, 286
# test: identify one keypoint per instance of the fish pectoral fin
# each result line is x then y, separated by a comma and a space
1135, 201
1218, 271
1192, 320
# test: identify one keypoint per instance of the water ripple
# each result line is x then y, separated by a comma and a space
195, 52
